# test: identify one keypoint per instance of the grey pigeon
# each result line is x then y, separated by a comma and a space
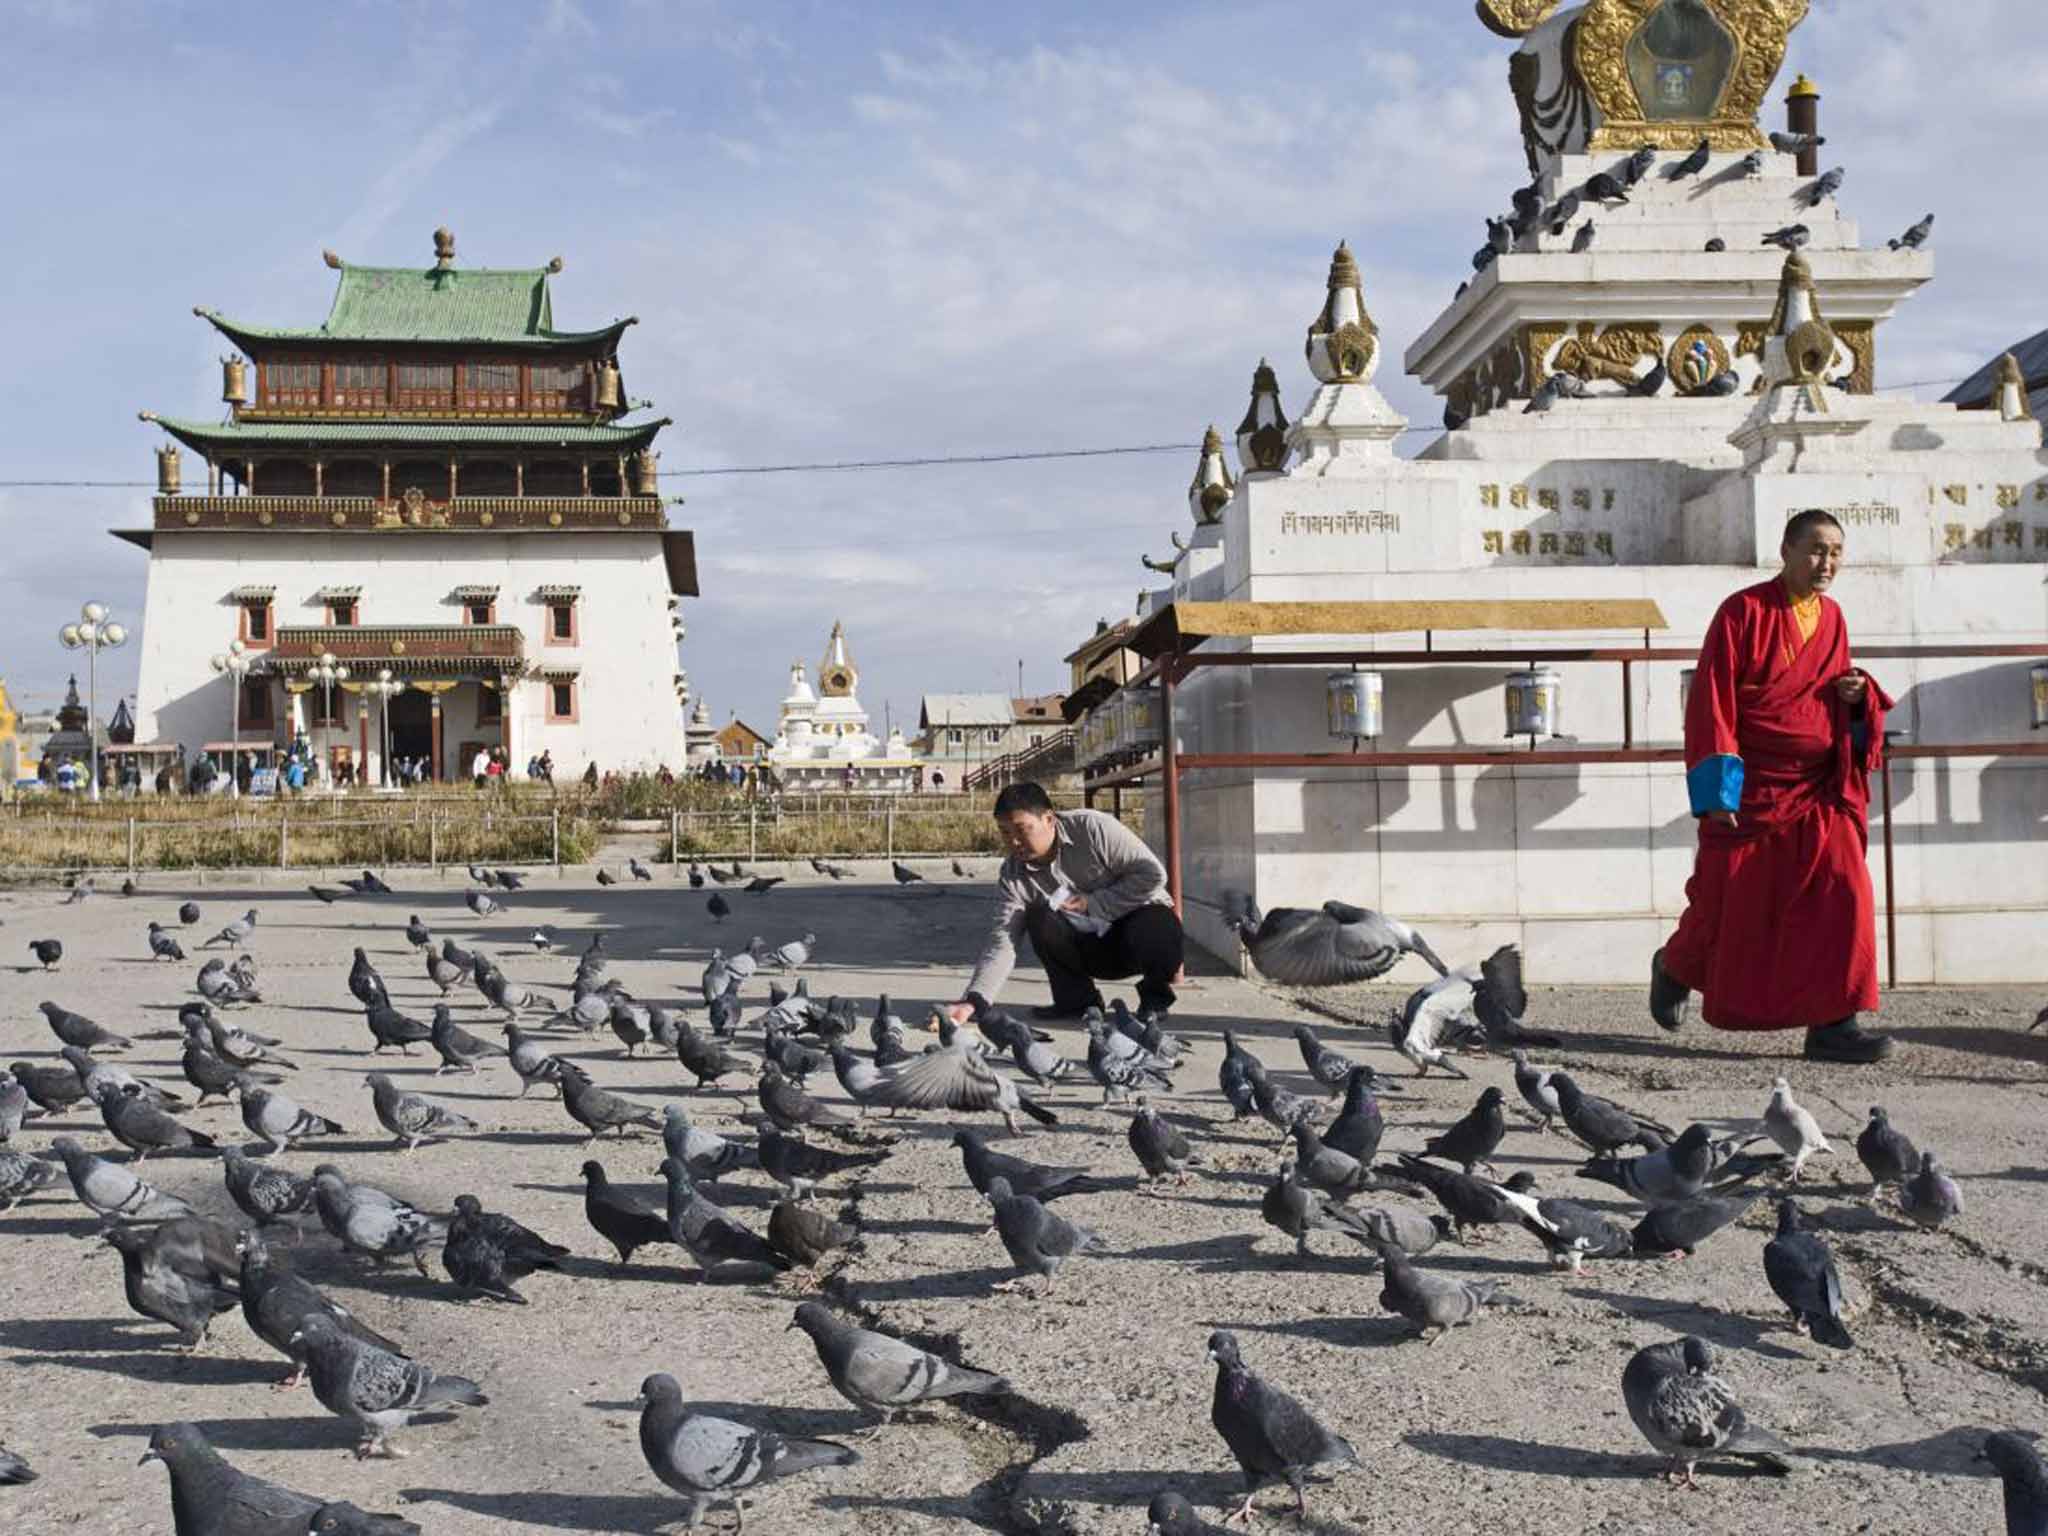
206, 1070
1291, 1207
50, 1088
530, 1060
1332, 945
800, 1166
1637, 166
1600, 1123
638, 870
1281, 1108
1582, 242
1914, 237
266, 1194
276, 1304
955, 1076
236, 933
1434, 1303
629, 1023
1930, 1197
1472, 1140
1236, 1076
1159, 1147
1569, 1230
1825, 187
21, 1176
1670, 1174
278, 1119
1795, 143
364, 984
1330, 1068
1171, 1514
1038, 1240
375, 1390
389, 1027
803, 1234
1751, 164
1272, 1435
368, 885
1534, 1085
1791, 238
1802, 1273
482, 905
606, 877
762, 884
1679, 1229
719, 908
1688, 1414
456, 1046
1413, 1232
1119, 1064
99, 1076
1603, 187
598, 1110
1788, 1123
411, 1117
162, 944
795, 954
860, 1078
159, 1289
443, 972
47, 952
884, 1376
1035, 1058
417, 933
1470, 1202
1038, 1180
486, 1252
367, 1220
1887, 1154
709, 1460
112, 1190
143, 1127
705, 1153
711, 1237
1692, 164
619, 1216
211, 1498
1715, 245
2026, 1482
13, 1108
188, 913
217, 982
76, 1029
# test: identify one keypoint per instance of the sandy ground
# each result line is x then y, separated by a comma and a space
1515, 1421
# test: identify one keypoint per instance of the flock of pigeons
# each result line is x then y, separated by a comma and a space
185, 1269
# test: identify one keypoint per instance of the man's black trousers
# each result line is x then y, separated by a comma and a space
1146, 943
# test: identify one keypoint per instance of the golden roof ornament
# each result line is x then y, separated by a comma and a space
2011, 390
444, 249
1262, 435
1800, 346
1343, 344
1210, 491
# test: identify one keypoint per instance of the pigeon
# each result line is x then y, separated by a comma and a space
369, 1221
860, 1078
697, 875
1652, 383
1413, 1232
21, 1176
1792, 237
2026, 1482
954, 1076
628, 1022
904, 874
705, 1153
1689, 1166
217, 982
1237, 1076
1472, 1140
1280, 1108
1692, 164
799, 1166
1802, 1273
761, 884
711, 1237
719, 908
1437, 1015
1687, 1413
789, 1108
1435, 1304
368, 885
1334, 1173
1357, 1130
803, 1234
13, 1108
1470, 1202
188, 913
276, 1303
1602, 1124
510, 880
391, 1028
112, 1190
1887, 1155
443, 972
1159, 1147
211, 1498
1569, 1230
206, 1069
1715, 246
1825, 187
1914, 237
1271, 1434
364, 984
143, 1127
410, 1117
1534, 1085
618, 1216
323, 895
1603, 187
606, 877
724, 877
47, 952
1929, 1198
417, 933
76, 1029
1751, 165
482, 905
542, 941
377, 1391
1484, 257
1330, 1068
487, 1252
1038, 1180
162, 945
159, 1289
1793, 1128
1035, 1058
1637, 166
709, 1460
705, 1058
1582, 242
638, 870
598, 1110
53, 1089
1119, 1064
267, 1195
1678, 1229
884, 1376
456, 1046
1500, 235
277, 1119
530, 1062
1038, 1240
1333, 945
236, 932
1172, 1515
797, 1060
1291, 1207
795, 954
96, 1074
1796, 143
496, 989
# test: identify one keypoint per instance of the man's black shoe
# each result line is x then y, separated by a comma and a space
1668, 1000
1053, 1012
1845, 1041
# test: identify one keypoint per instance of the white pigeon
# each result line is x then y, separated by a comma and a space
1796, 1132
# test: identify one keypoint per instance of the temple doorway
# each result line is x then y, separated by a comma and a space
412, 727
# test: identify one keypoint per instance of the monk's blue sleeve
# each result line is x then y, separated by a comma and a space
1715, 784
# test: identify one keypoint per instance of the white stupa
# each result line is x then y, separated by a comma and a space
822, 734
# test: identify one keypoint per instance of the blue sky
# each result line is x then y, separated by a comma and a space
872, 231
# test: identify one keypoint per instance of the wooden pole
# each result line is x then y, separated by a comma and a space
434, 838
675, 842
753, 831
1891, 894
283, 838
1169, 777
131, 845
555, 838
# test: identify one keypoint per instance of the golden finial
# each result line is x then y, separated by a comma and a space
331, 259
1210, 491
1262, 435
1801, 88
1343, 343
444, 249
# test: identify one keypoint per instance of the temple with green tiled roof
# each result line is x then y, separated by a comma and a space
439, 474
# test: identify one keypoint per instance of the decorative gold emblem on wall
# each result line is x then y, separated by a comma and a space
1516, 18
1759, 30
1697, 358
1860, 337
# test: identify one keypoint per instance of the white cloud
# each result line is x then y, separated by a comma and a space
871, 107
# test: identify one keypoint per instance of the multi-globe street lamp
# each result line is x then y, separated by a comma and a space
386, 687
327, 672
234, 665
93, 633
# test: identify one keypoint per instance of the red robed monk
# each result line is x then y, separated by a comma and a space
1782, 732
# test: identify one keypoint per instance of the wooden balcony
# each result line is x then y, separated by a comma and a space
471, 649
461, 514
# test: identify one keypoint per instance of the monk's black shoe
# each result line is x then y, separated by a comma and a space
1846, 1041
1668, 1000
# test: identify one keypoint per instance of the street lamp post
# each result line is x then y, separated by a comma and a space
387, 687
93, 633
327, 672
234, 665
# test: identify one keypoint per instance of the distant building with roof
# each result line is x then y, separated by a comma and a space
960, 734
436, 484
2019, 375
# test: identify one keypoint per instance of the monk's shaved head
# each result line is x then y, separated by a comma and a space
1805, 522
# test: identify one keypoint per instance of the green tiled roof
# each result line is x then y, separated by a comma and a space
204, 435
505, 305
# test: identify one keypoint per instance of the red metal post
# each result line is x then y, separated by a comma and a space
1628, 704
1169, 775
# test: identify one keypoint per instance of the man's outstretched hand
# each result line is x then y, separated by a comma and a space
960, 1013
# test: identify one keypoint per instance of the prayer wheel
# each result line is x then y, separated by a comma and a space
2040, 679
1534, 702
1140, 723
1357, 704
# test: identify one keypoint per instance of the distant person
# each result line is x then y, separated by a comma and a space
547, 768
590, 776
1093, 899
1781, 734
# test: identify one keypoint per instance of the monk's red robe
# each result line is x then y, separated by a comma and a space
1779, 930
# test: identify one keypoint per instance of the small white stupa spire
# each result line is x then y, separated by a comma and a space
1347, 423
1262, 435
1210, 491
2011, 395
1343, 344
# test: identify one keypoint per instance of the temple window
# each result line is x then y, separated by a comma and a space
254, 628
324, 706
341, 611
559, 387
479, 612
361, 385
255, 701
490, 386
490, 705
561, 603
426, 386
291, 383
562, 701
